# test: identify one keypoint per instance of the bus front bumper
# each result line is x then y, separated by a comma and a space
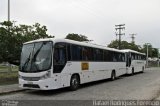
45, 84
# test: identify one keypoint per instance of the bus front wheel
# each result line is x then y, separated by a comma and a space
113, 75
74, 82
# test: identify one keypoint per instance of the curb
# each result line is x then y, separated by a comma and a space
12, 91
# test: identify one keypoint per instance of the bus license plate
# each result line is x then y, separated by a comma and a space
29, 82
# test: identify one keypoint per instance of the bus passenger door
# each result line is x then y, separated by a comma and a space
59, 58
128, 60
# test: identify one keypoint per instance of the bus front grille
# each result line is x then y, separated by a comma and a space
31, 78
31, 85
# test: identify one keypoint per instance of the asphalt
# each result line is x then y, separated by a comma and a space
6, 89
13, 88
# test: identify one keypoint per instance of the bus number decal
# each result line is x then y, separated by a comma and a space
85, 66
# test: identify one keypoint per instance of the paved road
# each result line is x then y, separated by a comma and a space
141, 86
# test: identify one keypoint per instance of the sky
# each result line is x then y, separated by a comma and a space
95, 19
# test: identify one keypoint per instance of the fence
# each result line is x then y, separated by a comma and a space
153, 63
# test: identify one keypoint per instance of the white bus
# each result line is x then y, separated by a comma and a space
135, 61
56, 63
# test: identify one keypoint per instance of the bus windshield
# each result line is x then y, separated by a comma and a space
36, 57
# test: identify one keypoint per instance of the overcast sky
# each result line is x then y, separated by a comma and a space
94, 18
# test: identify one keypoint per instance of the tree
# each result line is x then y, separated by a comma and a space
152, 52
77, 37
124, 45
12, 38
155, 52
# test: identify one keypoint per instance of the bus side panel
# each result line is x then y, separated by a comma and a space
137, 65
96, 71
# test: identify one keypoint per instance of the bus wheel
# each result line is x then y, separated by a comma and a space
74, 83
132, 71
142, 69
113, 75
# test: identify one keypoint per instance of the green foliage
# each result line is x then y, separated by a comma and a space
12, 38
124, 45
77, 37
152, 52
7, 78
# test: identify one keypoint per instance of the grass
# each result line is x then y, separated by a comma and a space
8, 78
5, 68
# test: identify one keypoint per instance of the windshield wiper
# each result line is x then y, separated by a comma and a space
37, 52
26, 62
35, 55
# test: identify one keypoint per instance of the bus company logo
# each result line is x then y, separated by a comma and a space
84, 66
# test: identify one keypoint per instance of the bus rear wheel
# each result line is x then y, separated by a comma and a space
142, 69
74, 82
132, 71
113, 76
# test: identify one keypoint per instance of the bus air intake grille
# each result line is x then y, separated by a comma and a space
31, 85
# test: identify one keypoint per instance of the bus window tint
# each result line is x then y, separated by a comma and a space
115, 56
90, 54
68, 52
121, 57
76, 52
136, 56
106, 55
85, 54
60, 53
98, 55
144, 57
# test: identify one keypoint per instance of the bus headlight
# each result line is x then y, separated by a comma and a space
19, 76
47, 75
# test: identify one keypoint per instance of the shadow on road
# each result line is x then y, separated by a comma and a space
67, 90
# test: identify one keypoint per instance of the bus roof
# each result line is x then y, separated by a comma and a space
88, 44
133, 51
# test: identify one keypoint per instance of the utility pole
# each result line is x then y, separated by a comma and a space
147, 53
8, 10
147, 56
158, 56
133, 37
9, 65
120, 27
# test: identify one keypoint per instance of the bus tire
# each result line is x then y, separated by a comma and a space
132, 71
113, 75
74, 82
142, 69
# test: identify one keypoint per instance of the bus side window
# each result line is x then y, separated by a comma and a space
115, 56
130, 59
106, 55
110, 56
85, 54
98, 55
68, 52
123, 57
76, 52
